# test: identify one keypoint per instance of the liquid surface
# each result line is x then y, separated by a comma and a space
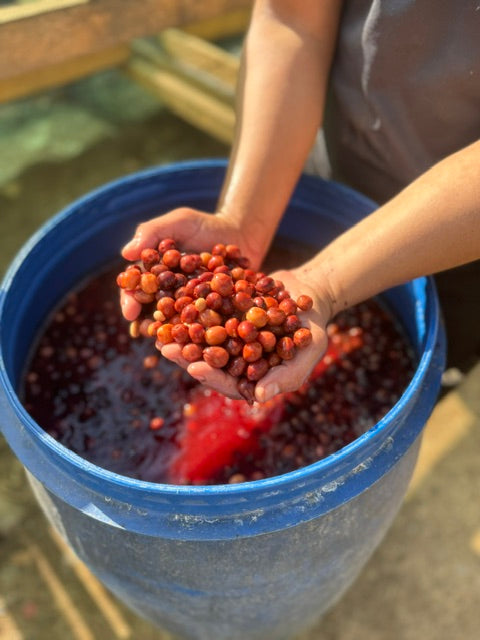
115, 402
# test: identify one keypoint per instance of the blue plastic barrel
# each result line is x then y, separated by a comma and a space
257, 560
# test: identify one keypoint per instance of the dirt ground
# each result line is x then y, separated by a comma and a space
424, 580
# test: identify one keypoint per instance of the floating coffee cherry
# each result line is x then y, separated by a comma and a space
217, 309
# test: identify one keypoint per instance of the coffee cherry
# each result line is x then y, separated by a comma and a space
222, 284
291, 324
232, 252
171, 258
257, 369
234, 346
219, 250
182, 302
149, 257
231, 326
166, 244
167, 280
202, 290
285, 348
142, 297
192, 352
148, 283
214, 301
288, 306
242, 301
237, 367
209, 318
129, 279
196, 332
238, 273
304, 302
247, 331
215, 335
268, 340
216, 357
275, 316
189, 313
180, 333
252, 351
265, 284
257, 316
164, 333
166, 306
190, 262
245, 286
302, 337
246, 388
214, 262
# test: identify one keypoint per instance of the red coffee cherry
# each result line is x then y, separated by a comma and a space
237, 367
182, 302
215, 335
247, 331
180, 333
285, 348
149, 257
222, 284
289, 306
268, 340
246, 388
189, 314
166, 306
214, 301
257, 369
265, 284
214, 262
234, 346
128, 279
276, 316
304, 302
232, 252
252, 351
164, 333
209, 318
219, 250
231, 326
302, 337
167, 280
242, 301
197, 333
291, 324
172, 258
257, 317
166, 244
192, 352
216, 357
190, 262
148, 283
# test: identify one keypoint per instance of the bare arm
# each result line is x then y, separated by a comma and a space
430, 226
280, 103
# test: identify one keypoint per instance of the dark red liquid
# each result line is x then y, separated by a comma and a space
118, 404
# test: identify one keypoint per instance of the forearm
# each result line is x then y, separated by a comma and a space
432, 225
285, 67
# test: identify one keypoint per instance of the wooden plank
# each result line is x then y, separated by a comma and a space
202, 74
59, 74
20, 11
233, 23
197, 53
187, 100
46, 39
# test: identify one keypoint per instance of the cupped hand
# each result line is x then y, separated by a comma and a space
291, 374
192, 230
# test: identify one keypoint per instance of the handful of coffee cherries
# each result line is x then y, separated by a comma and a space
217, 309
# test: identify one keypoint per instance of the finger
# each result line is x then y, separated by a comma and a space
173, 352
215, 379
130, 307
291, 374
148, 234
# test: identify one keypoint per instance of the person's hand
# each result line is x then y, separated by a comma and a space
192, 230
287, 376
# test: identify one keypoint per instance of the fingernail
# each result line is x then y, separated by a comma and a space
132, 244
270, 391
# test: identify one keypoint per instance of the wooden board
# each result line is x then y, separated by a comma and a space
51, 38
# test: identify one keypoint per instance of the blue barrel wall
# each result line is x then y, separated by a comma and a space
253, 561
